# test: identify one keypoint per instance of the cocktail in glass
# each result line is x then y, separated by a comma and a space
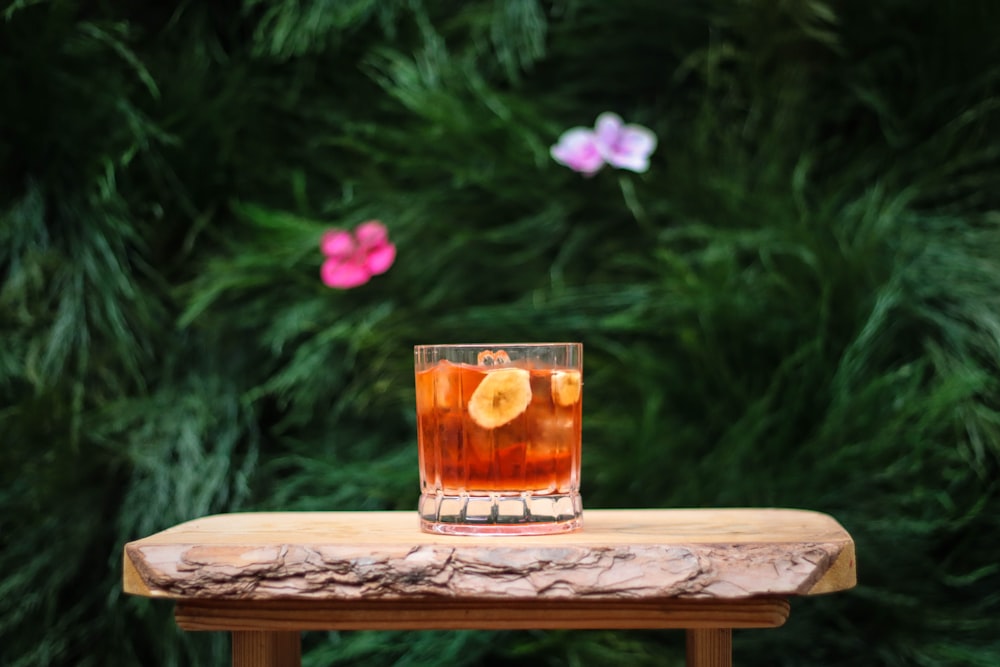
499, 432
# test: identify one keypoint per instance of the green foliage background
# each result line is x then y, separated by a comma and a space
798, 305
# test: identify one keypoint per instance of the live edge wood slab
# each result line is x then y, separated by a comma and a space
265, 576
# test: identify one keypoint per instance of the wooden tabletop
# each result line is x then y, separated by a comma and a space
719, 554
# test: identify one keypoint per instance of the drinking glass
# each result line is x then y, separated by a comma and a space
498, 434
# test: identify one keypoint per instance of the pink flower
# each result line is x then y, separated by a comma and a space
578, 150
624, 146
611, 142
352, 259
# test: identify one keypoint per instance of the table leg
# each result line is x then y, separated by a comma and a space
710, 647
254, 648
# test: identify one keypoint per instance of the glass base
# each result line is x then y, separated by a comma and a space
499, 514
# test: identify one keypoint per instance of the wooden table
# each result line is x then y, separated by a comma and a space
265, 577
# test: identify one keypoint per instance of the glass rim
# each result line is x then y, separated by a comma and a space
426, 346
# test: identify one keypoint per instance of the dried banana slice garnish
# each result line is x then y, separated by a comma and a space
566, 386
502, 396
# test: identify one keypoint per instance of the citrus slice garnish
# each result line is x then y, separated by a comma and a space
502, 395
566, 387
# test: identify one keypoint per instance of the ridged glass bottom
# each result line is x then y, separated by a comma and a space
496, 514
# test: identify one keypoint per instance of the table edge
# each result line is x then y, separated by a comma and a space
839, 576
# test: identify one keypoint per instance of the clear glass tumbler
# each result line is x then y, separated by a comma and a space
498, 431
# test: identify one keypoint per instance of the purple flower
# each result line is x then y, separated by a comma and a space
611, 142
352, 259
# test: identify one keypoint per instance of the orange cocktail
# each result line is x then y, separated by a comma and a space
499, 432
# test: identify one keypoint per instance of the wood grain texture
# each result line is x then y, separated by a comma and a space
445, 614
266, 649
709, 647
619, 555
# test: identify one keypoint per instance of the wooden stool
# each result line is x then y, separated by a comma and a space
266, 577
